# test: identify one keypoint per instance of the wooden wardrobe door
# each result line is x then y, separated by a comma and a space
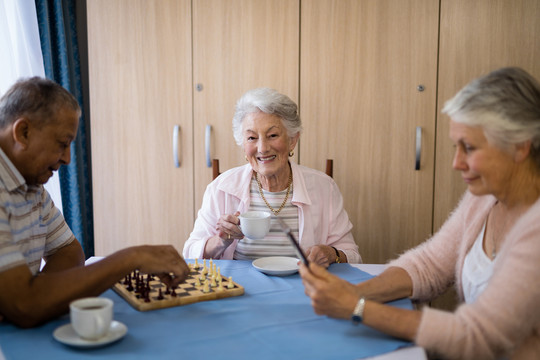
140, 89
477, 37
367, 82
238, 45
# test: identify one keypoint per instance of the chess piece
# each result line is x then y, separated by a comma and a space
230, 285
206, 288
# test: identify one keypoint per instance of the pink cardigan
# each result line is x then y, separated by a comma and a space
321, 216
505, 319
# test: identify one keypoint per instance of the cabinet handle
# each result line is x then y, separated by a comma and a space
175, 139
207, 138
418, 147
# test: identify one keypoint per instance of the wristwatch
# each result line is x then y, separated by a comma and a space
358, 313
337, 255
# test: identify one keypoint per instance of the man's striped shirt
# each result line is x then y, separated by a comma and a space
31, 227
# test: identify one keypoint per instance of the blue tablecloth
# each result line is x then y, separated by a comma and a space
272, 320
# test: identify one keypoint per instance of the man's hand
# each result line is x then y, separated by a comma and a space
165, 262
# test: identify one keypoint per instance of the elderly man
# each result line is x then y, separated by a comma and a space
38, 122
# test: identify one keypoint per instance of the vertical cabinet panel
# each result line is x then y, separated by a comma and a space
237, 45
140, 76
361, 65
364, 73
477, 37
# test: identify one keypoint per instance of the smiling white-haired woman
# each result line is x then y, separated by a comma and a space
489, 247
267, 126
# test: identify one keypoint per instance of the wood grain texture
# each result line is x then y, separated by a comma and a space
361, 63
238, 45
140, 71
477, 37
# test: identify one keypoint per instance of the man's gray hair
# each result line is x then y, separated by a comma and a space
36, 98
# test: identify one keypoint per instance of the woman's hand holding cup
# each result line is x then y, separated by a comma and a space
227, 227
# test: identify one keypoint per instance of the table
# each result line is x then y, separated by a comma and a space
273, 319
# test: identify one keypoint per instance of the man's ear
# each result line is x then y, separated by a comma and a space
20, 130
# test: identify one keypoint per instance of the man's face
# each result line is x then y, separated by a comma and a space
48, 147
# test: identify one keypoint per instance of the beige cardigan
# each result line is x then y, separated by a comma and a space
505, 319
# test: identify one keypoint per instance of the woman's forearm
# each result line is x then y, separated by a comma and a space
214, 248
394, 283
393, 321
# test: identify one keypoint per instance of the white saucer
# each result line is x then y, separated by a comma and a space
276, 265
66, 335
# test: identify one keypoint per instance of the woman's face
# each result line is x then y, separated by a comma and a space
485, 168
267, 144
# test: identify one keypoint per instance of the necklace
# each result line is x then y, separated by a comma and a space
501, 222
496, 230
289, 186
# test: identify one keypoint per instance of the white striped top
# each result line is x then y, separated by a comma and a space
276, 243
30, 225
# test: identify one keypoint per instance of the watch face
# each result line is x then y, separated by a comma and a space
356, 319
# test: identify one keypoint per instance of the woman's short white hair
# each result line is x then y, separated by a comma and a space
505, 104
269, 101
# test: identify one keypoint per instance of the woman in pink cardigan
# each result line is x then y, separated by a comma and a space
489, 247
267, 125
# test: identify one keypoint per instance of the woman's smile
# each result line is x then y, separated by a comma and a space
266, 158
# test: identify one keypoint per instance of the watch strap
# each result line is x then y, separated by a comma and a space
337, 255
358, 313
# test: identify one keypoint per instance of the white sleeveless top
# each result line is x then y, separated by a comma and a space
477, 270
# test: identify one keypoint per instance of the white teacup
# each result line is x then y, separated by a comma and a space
91, 317
255, 224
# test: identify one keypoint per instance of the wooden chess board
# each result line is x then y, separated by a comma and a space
146, 292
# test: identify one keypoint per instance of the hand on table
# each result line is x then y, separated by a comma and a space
322, 255
228, 227
330, 295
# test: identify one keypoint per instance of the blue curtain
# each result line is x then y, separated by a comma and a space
58, 35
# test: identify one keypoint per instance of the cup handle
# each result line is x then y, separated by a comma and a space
100, 325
